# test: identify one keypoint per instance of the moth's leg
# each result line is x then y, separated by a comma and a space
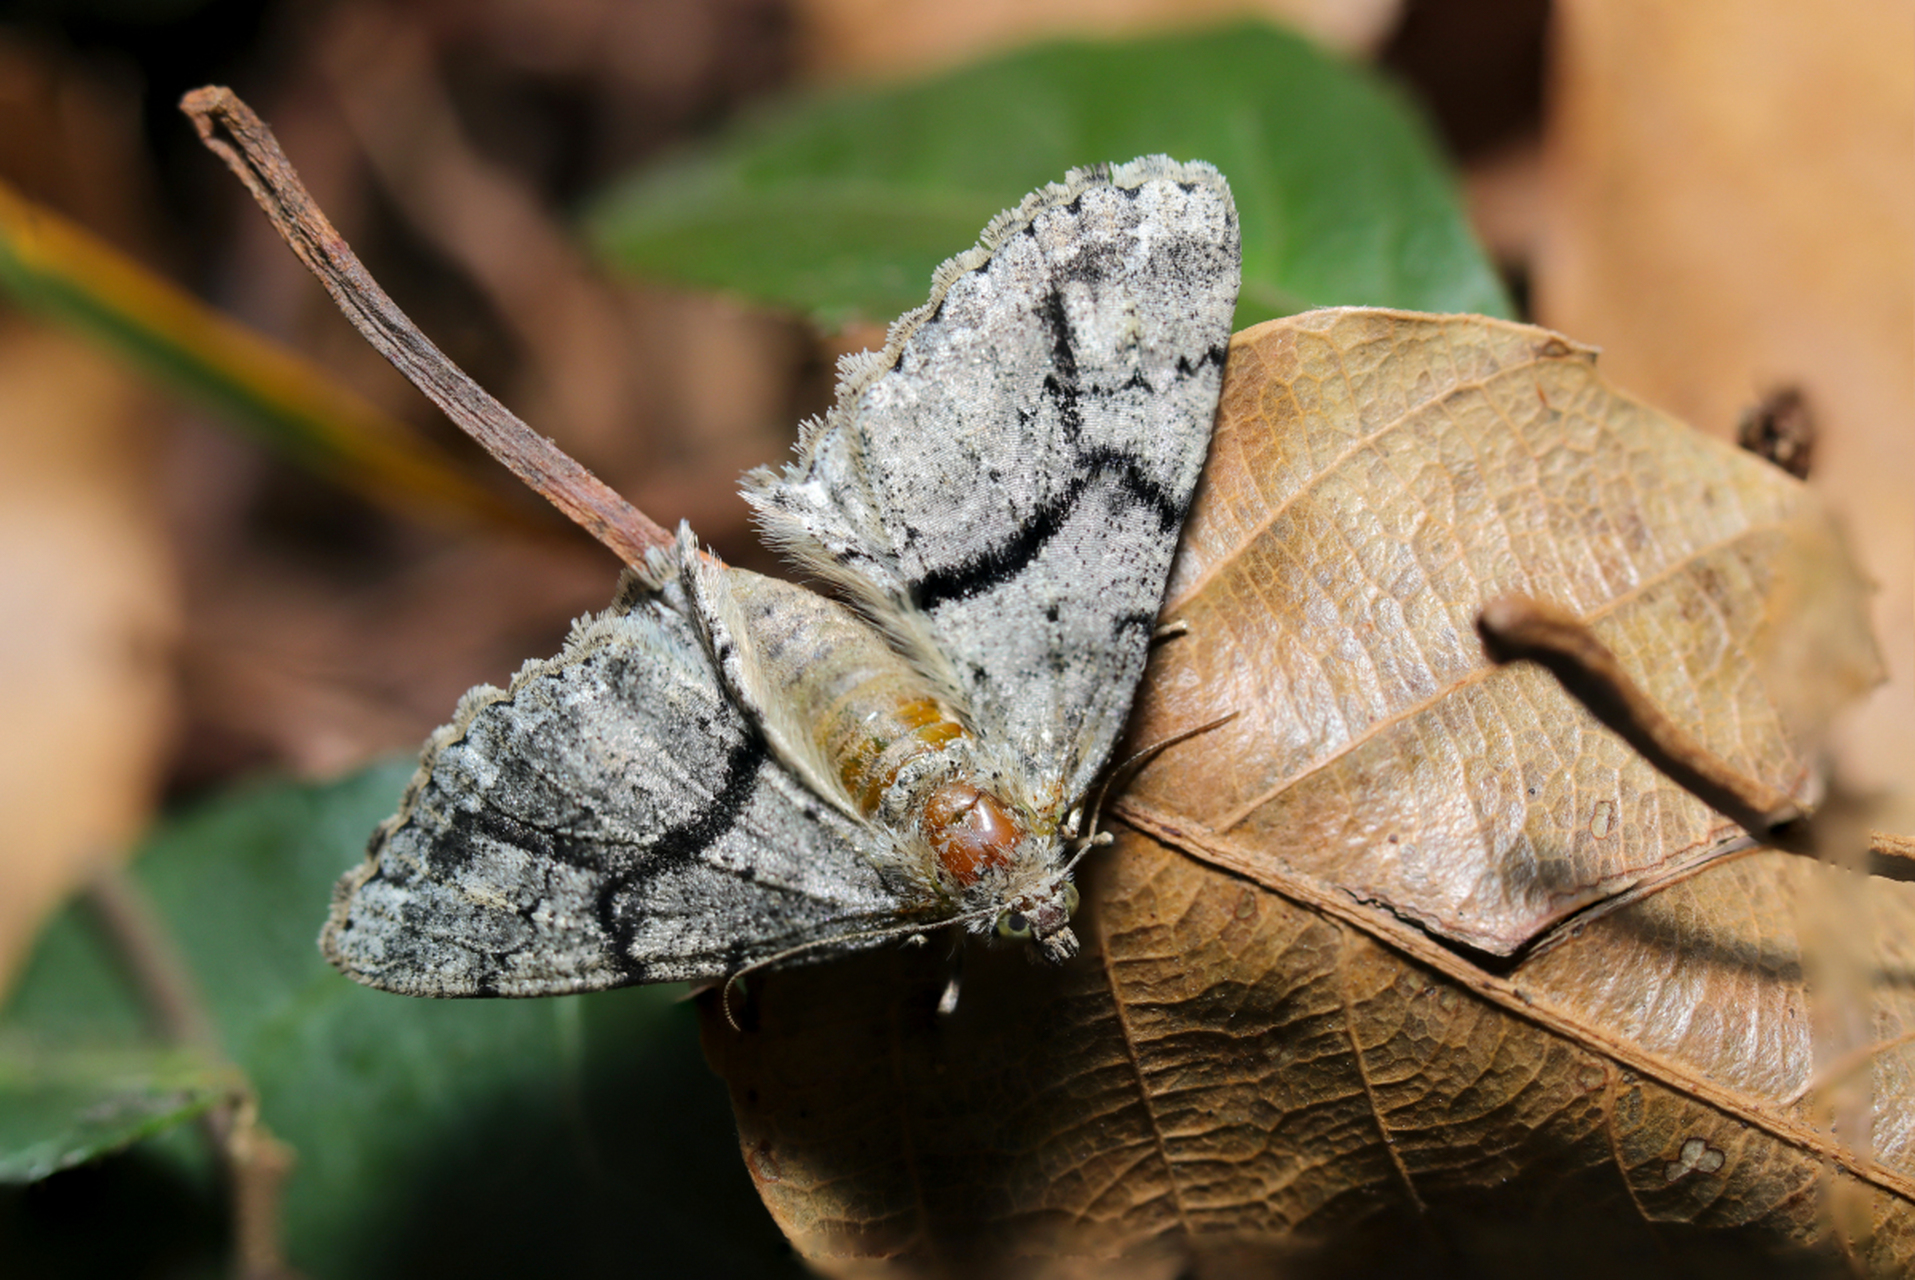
948, 1001
1170, 631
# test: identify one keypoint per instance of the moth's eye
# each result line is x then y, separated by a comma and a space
1012, 924
1071, 899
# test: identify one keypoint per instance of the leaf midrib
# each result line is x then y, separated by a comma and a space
1509, 996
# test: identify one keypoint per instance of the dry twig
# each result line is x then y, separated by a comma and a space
232, 131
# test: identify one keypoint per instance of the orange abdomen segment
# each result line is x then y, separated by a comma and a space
870, 759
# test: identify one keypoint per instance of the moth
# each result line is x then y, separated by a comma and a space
730, 770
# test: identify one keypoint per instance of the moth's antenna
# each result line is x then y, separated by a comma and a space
1127, 771
863, 935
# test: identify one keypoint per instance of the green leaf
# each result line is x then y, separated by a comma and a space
842, 206
476, 1138
62, 1107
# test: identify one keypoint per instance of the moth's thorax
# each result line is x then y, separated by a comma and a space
971, 831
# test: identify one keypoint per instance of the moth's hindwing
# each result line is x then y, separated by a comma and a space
1002, 487
611, 818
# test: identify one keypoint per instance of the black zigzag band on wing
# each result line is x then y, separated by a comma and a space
679, 846
1012, 556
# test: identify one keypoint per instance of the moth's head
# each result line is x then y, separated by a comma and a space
1044, 916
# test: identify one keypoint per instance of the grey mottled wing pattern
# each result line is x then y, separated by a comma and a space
610, 819
1004, 484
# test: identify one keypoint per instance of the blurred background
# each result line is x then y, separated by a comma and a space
1719, 193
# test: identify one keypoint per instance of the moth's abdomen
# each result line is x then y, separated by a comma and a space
873, 734
874, 725
885, 725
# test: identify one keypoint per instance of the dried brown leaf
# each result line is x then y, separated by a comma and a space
1376, 477
1254, 1070
1232, 1078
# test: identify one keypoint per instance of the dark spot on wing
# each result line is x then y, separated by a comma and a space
457, 843
997, 564
1063, 354
1136, 483
1216, 355
1061, 383
631, 971
685, 843
1092, 264
1064, 396
619, 866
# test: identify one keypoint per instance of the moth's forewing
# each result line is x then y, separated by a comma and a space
1007, 479
610, 818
